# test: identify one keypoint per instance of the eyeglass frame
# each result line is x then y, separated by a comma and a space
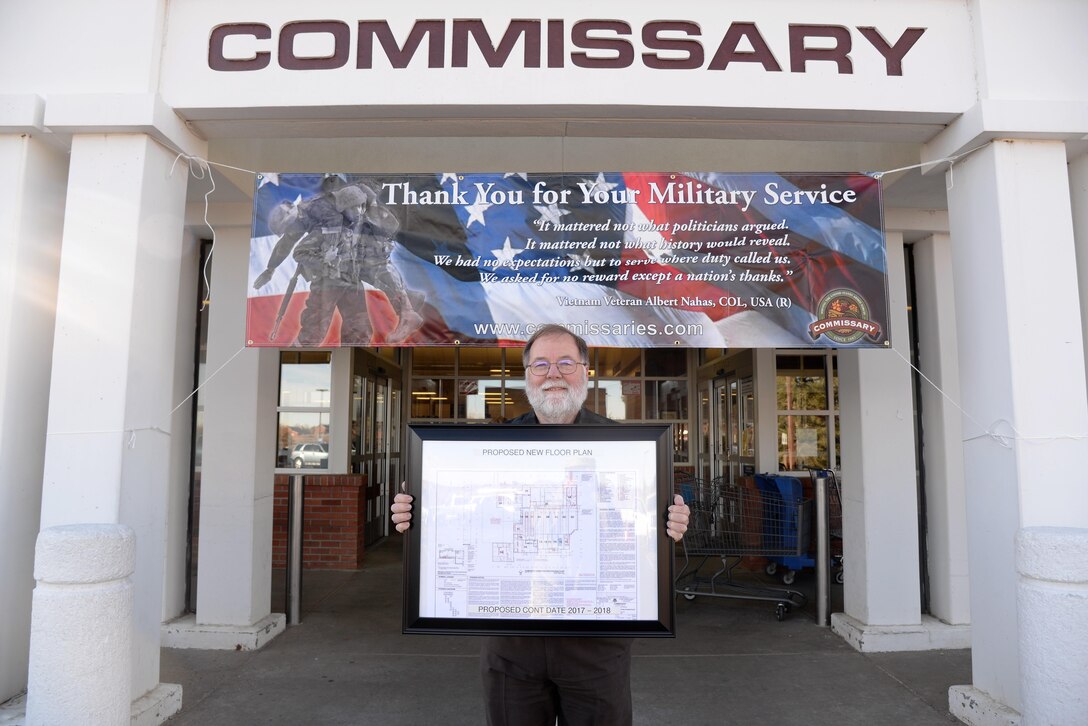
537, 369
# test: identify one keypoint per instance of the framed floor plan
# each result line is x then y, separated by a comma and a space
539, 530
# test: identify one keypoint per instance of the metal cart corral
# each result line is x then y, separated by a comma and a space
733, 521
834, 504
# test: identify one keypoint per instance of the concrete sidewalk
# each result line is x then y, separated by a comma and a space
731, 663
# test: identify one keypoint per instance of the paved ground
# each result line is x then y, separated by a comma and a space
732, 662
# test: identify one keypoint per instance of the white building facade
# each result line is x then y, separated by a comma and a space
976, 109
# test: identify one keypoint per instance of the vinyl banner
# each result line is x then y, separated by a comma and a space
700, 259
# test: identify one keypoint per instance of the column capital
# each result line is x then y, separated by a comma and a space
122, 113
991, 119
21, 113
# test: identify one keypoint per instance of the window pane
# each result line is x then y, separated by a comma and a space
622, 399
708, 354
480, 362
303, 439
747, 418
432, 398
394, 420
433, 361
393, 355
666, 362
617, 362
680, 446
704, 432
483, 399
305, 379
357, 420
838, 443
835, 383
802, 443
514, 366
801, 383
666, 400
516, 402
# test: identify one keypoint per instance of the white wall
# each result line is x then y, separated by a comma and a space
1010, 71
942, 433
80, 47
937, 71
1078, 194
177, 514
32, 184
879, 482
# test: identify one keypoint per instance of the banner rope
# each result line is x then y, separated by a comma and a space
131, 431
950, 159
199, 167
990, 432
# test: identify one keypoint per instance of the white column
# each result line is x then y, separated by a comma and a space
234, 565
32, 186
1022, 378
107, 456
879, 489
942, 444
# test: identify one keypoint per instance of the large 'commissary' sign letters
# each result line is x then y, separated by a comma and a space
590, 43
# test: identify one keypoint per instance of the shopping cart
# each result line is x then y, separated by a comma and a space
733, 521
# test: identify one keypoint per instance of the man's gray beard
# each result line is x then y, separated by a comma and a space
563, 408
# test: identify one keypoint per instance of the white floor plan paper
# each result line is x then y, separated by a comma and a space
539, 529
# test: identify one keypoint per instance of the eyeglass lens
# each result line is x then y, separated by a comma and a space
541, 367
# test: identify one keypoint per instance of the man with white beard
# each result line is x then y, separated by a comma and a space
534, 680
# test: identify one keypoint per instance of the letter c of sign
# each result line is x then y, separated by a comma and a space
218, 62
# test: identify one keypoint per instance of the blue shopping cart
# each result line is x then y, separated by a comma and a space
786, 525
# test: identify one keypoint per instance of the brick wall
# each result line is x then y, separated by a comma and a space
332, 527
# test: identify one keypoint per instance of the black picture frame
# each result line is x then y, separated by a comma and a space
449, 452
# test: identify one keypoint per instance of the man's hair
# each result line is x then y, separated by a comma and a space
554, 329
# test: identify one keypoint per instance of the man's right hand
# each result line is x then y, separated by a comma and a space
262, 279
402, 511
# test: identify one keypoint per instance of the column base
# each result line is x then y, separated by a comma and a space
979, 708
184, 632
153, 708
931, 634
157, 705
13, 710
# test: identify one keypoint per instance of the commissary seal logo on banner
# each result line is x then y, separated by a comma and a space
843, 316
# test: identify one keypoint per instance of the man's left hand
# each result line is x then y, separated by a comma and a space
677, 521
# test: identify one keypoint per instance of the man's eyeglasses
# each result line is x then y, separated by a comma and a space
565, 366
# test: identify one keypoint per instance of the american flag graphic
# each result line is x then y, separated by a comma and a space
698, 259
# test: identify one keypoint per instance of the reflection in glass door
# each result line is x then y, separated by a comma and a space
734, 428
708, 432
393, 467
375, 458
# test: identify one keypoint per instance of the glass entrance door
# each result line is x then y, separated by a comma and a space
375, 455
733, 432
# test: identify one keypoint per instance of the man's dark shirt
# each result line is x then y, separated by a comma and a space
585, 416
580, 657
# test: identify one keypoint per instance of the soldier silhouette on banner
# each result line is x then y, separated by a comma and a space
342, 239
